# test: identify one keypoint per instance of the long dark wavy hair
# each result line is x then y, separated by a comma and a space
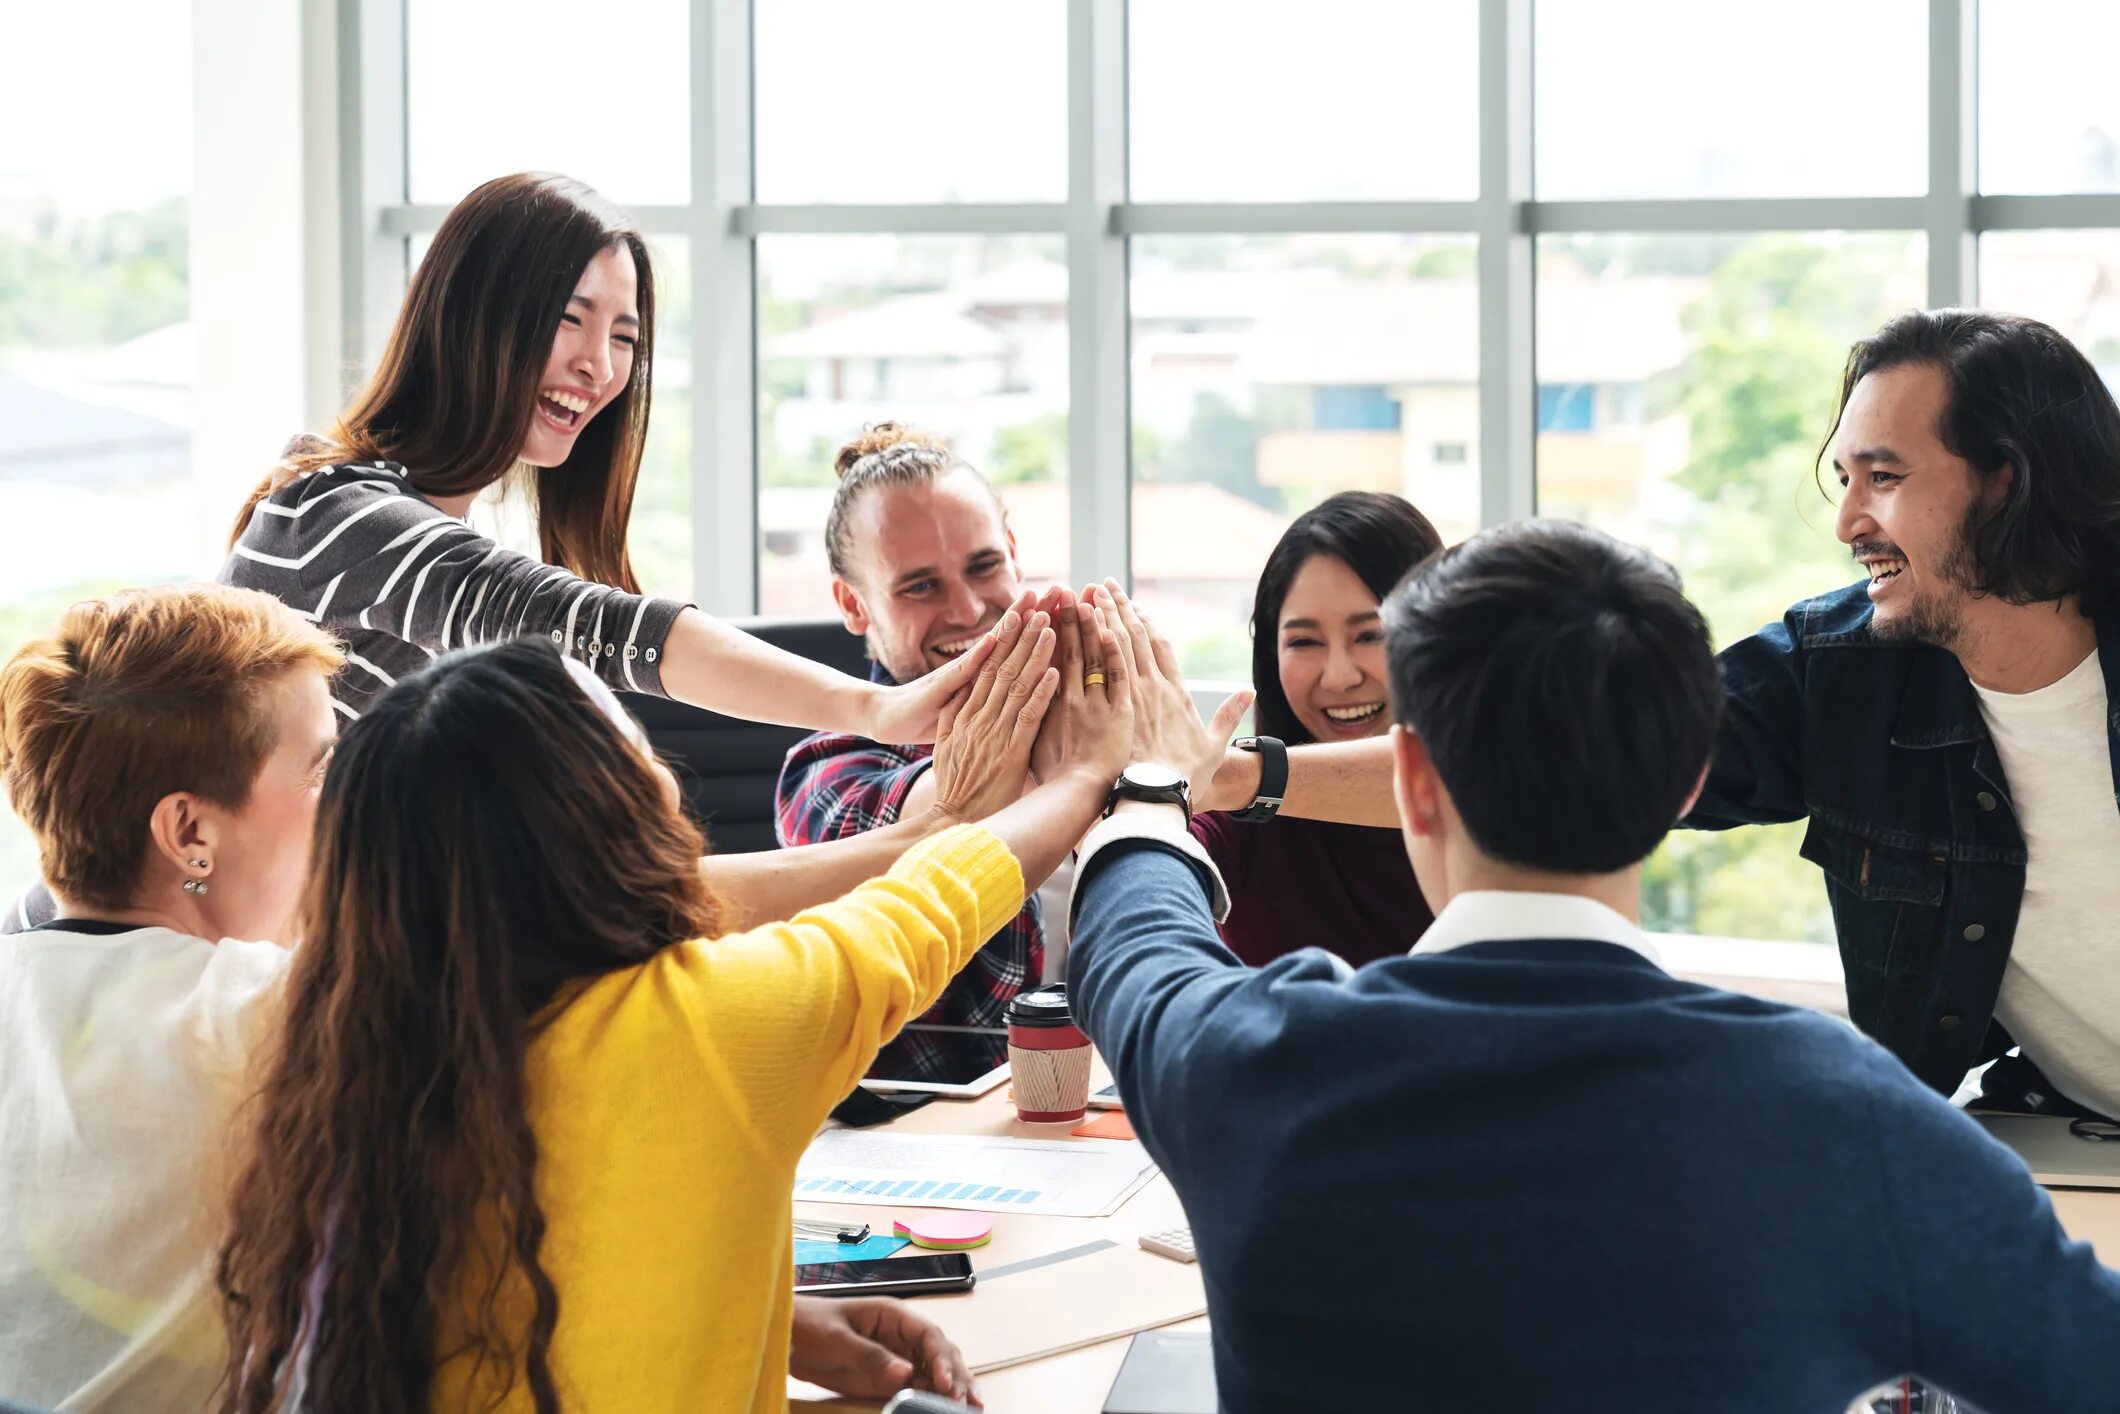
1379, 536
456, 386
486, 837
2018, 396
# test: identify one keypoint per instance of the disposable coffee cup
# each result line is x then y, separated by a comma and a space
1048, 1058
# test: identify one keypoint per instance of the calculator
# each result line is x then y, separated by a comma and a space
1175, 1243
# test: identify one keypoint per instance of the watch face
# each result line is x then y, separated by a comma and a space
1152, 775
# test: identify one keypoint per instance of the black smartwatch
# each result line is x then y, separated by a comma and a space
1273, 777
1151, 780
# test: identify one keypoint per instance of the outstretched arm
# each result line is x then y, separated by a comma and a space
978, 768
715, 665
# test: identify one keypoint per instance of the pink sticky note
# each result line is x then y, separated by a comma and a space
946, 1230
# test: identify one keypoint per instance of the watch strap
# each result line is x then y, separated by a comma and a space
1273, 778
1177, 794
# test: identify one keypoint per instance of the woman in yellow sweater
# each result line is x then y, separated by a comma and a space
523, 1145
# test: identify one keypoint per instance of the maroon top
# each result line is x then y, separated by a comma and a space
1309, 883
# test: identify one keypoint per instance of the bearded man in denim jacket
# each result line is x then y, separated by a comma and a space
1949, 727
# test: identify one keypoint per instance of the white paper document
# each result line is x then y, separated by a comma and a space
1081, 1178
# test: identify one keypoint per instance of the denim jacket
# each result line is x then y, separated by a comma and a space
1883, 747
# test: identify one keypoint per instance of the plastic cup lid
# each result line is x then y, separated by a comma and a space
1045, 1007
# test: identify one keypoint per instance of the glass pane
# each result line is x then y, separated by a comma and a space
661, 534
1270, 372
1686, 383
965, 337
2070, 279
601, 96
2049, 114
947, 100
95, 331
1643, 98
1336, 100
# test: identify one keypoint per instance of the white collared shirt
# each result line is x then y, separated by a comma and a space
1165, 826
1495, 916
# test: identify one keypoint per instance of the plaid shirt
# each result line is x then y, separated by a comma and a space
834, 786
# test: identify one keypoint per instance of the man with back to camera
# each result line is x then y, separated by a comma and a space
1949, 726
1524, 1162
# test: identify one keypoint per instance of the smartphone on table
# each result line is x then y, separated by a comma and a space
1107, 1098
886, 1276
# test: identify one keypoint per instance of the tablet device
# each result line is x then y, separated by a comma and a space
1166, 1372
964, 1077
2056, 1156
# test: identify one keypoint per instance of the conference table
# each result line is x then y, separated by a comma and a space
1075, 1382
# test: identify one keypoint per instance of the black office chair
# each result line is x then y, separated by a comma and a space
728, 767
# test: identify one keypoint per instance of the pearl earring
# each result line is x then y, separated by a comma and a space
195, 887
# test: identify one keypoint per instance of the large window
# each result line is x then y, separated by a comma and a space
1270, 372
1697, 377
1169, 271
1685, 385
2069, 279
549, 89
964, 337
96, 487
937, 100
1334, 100
1649, 98
2049, 114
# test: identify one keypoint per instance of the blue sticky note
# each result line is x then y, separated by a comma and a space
877, 1245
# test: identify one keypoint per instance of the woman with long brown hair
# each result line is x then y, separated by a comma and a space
525, 1145
526, 339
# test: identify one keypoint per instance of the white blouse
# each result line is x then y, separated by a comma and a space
122, 1060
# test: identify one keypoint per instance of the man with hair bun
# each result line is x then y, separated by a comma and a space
923, 562
923, 565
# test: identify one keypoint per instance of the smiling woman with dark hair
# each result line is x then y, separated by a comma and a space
526, 340
1318, 668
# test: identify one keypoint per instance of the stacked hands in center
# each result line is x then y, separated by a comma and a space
1080, 683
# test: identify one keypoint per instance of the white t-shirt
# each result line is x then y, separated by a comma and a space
2061, 991
122, 1058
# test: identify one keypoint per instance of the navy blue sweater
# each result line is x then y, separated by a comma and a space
1546, 1174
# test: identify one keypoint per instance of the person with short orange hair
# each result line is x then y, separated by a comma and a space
166, 747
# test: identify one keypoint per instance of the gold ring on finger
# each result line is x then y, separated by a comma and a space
1093, 680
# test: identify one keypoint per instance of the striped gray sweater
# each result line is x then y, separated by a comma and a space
398, 580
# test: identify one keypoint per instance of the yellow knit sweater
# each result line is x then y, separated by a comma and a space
671, 1102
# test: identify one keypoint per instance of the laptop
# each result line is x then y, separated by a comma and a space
1166, 1372
2056, 1157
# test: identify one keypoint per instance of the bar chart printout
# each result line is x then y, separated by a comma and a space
1069, 1178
